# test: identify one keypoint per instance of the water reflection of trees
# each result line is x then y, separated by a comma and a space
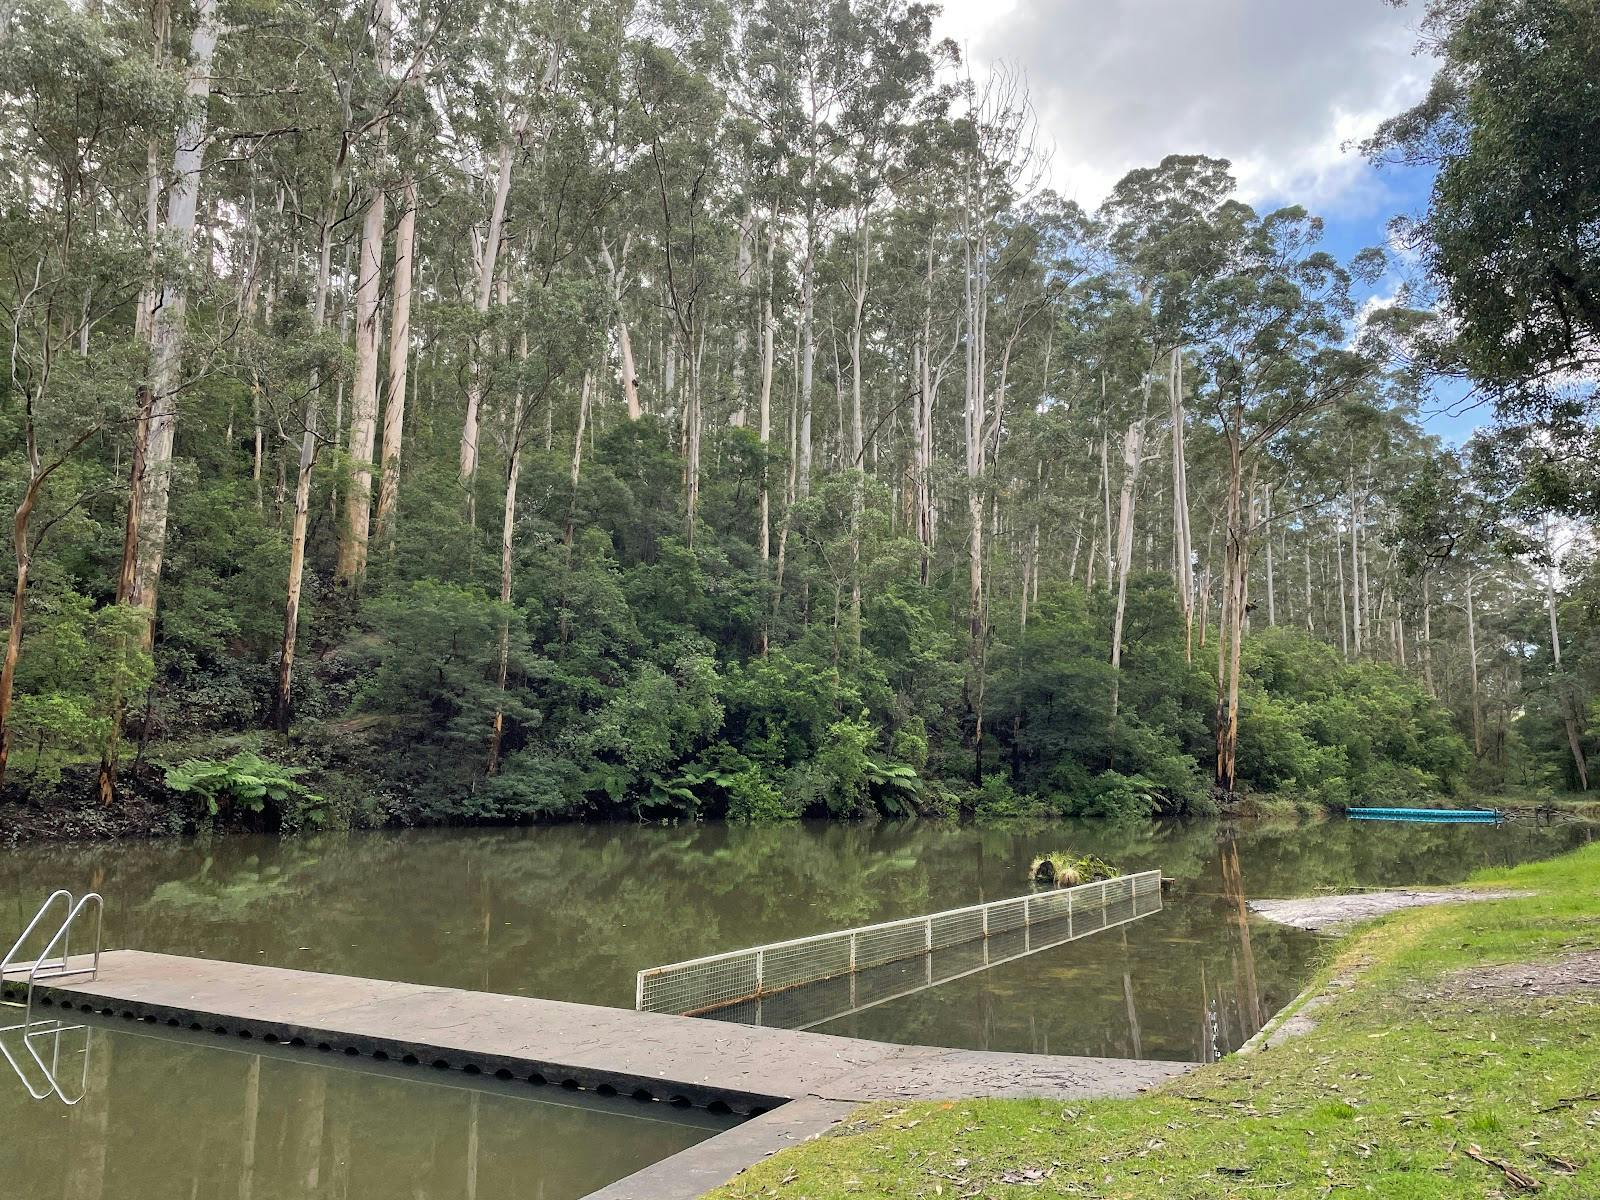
169, 1118
573, 912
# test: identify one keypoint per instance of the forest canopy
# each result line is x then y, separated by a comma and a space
519, 410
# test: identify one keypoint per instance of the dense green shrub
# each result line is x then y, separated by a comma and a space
247, 783
1340, 732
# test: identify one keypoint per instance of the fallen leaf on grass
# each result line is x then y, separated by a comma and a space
1028, 1177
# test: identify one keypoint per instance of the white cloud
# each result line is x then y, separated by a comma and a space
1277, 86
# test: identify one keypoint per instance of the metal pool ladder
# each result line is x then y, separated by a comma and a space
53, 962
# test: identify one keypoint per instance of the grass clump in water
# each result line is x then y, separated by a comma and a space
1060, 869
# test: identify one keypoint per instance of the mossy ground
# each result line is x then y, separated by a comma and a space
1386, 1096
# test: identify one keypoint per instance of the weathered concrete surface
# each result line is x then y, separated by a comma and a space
1321, 914
711, 1163
684, 1059
1304, 1019
935, 1073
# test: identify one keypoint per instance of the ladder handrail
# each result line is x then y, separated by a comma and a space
5, 1052
45, 967
52, 1070
60, 893
61, 970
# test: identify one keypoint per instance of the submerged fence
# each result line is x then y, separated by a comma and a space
718, 980
817, 1004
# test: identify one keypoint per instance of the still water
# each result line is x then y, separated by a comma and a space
572, 913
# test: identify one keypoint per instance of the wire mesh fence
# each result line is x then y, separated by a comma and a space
816, 1004
719, 980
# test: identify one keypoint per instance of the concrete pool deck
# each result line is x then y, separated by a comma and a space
796, 1084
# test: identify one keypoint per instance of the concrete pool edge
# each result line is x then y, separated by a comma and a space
792, 1085
694, 1171
720, 1159
1342, 911
682, 1060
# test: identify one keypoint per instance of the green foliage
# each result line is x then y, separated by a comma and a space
995, 801
794, 625
649, 727
1119, 797
845, 765
430, 660
79, 660
1341, 732
530, 785
246, 782
752, 797
1052, 700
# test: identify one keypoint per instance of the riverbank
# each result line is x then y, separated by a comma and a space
146, 808
1453, 1051
139, 813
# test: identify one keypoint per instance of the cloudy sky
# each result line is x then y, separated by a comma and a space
1278, 87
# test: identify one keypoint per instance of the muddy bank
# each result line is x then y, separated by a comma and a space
1330, 914
72, 813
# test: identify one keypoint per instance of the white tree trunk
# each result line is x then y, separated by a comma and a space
584, 401
1569, 715
768, 362
508, 524
1272, 591
1132, 455
352, 561
486, 275
166, 327
743, 278
394, 410
616, 273
1472, 663
1356, 621
1182, 535
857, 464
808, 355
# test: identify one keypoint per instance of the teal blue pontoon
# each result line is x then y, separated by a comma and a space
1476, 816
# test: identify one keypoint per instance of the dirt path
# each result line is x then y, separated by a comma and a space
1326, 914
1572, 973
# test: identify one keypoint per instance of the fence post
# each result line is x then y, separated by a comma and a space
852, 960
761, 968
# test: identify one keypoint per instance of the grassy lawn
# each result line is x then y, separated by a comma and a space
1409, 1073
